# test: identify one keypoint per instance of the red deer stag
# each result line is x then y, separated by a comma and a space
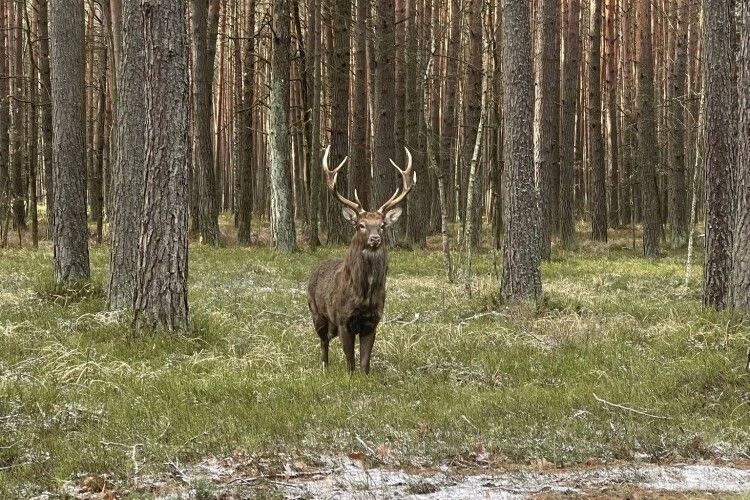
346, 296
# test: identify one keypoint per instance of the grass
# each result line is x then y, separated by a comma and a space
452, 377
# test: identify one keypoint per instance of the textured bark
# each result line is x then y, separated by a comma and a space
338, 73
282, 202
96, 179
598, 191
161, 292
720, 120
32, 30
627, 98
4, 126
17, 112
68, 66
384, 180
245, 126
448, 126
571, 72
741, 241
547, 120
521, 260
613, 135
646, 122
418, 213
314, 82
203, 149
46, 111
472, 116
360, 164
678, 210
128, 173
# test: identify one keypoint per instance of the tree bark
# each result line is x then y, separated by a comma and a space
203, 148
161, 293
4, 125
571, 72
128, 172
17, 112
314, 82
646, 122
612, 130
360, 164
282, 202
741, 242
338, 230
678, 210
68, 66
547, 120
245, 126
384, 178
46, 112
521, 259
599, 220
720, 154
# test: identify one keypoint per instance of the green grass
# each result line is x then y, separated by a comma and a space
78, 390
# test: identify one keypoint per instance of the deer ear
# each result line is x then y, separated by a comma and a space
350, 215
392, 216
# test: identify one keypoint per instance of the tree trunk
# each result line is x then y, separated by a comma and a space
571, 72
720, 152
282, 202
613, 135
203, 149
678, 210
17, 125
338, 230
161, 292
384, 177
314, 83
44, 75
521, 259
68, 66
4, 126
33, 122
741, 242
599, 220
448, 126
245, 126
646, 122
128, 173
360, 163
472, 116
547, 120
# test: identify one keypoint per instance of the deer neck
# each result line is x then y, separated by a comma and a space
367, 269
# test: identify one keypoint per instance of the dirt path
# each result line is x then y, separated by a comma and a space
344, 478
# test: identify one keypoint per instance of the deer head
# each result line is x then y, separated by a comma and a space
370, 225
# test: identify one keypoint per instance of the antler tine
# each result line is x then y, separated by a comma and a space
408, 178
332, 175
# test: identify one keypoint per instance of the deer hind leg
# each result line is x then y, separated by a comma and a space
322, 327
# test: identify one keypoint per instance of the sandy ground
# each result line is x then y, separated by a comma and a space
348, 478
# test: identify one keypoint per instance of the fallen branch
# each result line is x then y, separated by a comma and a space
627, 408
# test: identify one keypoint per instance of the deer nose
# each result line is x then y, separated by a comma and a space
374, 240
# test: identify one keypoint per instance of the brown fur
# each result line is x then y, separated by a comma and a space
346, 296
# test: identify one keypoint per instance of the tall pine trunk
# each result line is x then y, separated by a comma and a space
68, 66
720, 150
282, 201
598, 190
646, 122
130, 153
161, 292
547, 121
571, 72
521, 261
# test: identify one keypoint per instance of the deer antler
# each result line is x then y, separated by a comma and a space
408, 177
331, 176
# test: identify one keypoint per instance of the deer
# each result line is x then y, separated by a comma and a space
346, 295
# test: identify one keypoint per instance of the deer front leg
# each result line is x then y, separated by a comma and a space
366, 341
347, 341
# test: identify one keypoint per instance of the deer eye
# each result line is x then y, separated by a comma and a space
361, 225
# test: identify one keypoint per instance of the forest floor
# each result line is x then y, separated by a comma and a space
618, 366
